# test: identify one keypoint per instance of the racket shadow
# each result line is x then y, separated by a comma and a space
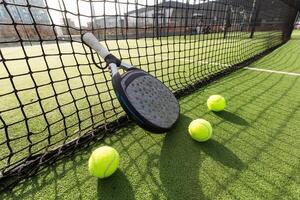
179, 163
115, 187
232, 118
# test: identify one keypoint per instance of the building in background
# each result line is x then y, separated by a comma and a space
161, 19
173, 17
68, 28
22, 14
107, 26
26, 17
107, 22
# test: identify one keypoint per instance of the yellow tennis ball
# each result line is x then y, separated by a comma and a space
103, 162
200, 130
216, 103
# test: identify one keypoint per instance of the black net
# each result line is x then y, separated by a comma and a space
53, 97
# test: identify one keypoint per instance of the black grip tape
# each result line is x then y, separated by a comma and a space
112, 59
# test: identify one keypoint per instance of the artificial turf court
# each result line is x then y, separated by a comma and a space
63, 96
254, 152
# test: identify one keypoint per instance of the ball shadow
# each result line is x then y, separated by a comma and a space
179, 163
115, 187
231, 117
221, 154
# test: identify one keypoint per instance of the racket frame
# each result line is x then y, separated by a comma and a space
114, 64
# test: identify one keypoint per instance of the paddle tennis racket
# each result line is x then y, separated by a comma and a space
143, 97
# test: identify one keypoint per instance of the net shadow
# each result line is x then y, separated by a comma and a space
53, 97
264, 100
174, 166
115, 187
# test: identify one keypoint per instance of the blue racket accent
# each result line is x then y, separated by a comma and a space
143, 97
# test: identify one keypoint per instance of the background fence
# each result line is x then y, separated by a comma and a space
53, 99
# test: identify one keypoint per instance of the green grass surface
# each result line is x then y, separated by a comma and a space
254, 152
69, 89
283, 59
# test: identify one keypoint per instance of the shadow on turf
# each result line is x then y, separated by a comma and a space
55, 177
181, 159
179, 165
221, 154
231, 117
115, 187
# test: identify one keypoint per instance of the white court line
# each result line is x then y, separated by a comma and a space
202, 62
272, 71
227, 65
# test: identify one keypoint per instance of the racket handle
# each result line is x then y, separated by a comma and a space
113, 69
90, 40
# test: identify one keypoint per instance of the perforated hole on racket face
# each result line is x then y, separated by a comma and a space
152, 99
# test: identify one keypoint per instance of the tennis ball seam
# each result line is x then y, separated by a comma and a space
208, 128
109, 165
219, 100
215, 102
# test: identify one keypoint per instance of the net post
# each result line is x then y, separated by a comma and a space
255, 13
289, 27
227, 24
186, 20
156, 19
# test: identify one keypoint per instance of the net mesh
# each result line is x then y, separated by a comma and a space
55, 97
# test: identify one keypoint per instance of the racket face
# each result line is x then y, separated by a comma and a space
151, 99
